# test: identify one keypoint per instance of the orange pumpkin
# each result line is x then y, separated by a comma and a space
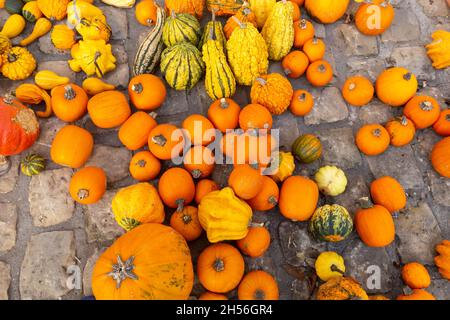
199, 161
72, 146
244, 15
258, 285
267, 198
442, 259
255, 243
424, 111
298, 198
186, 223
146, 12
440, 157
401, 130
375, 226
418, 294
135, 130
364, 17
295, 64
220, 267
194, 7
69, 102
144, 166
298, 2
319, 73
296, 15
198, 129
224, 114
245, 181
416, 276
395, 86
152, 261
372, 139
314, 49
255, 116
147, 91
88, 185
212, 296
303, 31
176, 188
442, 125
109, 109
358, 91
302, 103
204, 187
389, 193
166, 141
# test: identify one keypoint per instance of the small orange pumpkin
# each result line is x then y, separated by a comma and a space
199, 161
440, 157
72, 146
176, 188
389, 193
372, 139
319, 73
244, 15
424, 111
147, 91
401, 131
198, 129
375, 225
146, 12
416, 276
364, 17
204, 187
258, 285
69, 102
303, 31
255, 116
302, 103
186, 223
109, 109
442, 125
395, 86
165, 141
358, 91
298, 198
267, 198
314, 49
135, 130
88, 185
296, 15
418, 294
224, 114
295, 64
255, 243
144, 166
212, 296
220, 267
245, 181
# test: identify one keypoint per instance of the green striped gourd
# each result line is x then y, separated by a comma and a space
149, 52
219, 79
307, 148
216, 28
331, 223
181, 27
182, 65
32, 164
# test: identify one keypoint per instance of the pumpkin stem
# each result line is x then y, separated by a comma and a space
186, 219
352, 86
246, 11
173, 14
302, 24
69, 93
447, 117
407, 76
365, 203
123, 270
149, 21
302, 97
315, 41
213, 14
404, 121
426, 106
153, 114
5, 165
240, 24
180, 205
196, 173
252, 224
82, 194
262, 81
141, 163
224, 103
137, 87
8, 99
218, 265
321, 68
12, 57
259, 294
376, 133
160, 140
272, 200
334, 268
287, 71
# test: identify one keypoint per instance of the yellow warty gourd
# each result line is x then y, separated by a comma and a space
93, 86
261, 9
13, 26
47, 79
439, 49
278, 31
42, 26
5, 44
247, 54
77, 10
53, 9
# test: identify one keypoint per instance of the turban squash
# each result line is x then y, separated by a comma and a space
150, 262
439, 49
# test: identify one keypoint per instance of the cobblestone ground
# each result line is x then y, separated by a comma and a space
43, 232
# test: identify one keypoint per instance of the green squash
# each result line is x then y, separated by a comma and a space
307, 148
14, 6
216, 29
182, 66
32, 164
331, 223
181, 27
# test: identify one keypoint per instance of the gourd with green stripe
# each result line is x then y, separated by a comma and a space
32, 164
307, 148
219, 79
149, 52
182, 65
216, 28
181, 27
31, 11
331, 223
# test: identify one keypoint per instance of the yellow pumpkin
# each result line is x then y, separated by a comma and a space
224, 216
282, 166
53, 9
77, 10
93, 57
341, 288
63, 37
331, 180
18, 63
439, 49
94, 28
328, 265
137, 204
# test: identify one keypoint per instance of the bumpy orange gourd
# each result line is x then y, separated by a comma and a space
245, 14
255, 116
255, 243
186, 223
258, 285
165, 141
69, 102
176, 188
295, 64
303, 32
144, 166
224, 114
375, 226
302, 103
416, 276
88, 185
147, 92
424, 111
109, 109
220, 267
53, 9
319, 73
135, 130
298, 198
198, 129
401, 130
272, 91
199, 161
204, 187
389, 193
358, 91
245, 181
442, 260
372, 139
72, 146
341, 288
442, 125
395, 86
373, 18
194, 7
440, 157
267, 198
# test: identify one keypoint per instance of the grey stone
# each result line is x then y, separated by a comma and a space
339, 148
43, 271
329, 107
176, 103
46, 46
48, 129
287, 124
116, 167
357, 188
399, 163
297, 245
405, 27
434, 8
117, 20
119, 76
60, 67
414, 59
5, 278
49, 198
100, 223
354, 43
221, 173
119, 52
375, 112
440, 188
8, 223
87, 272
8, 180
440, 289
419, 233
369, 68
319, 30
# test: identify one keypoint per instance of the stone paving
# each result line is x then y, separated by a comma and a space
43, 233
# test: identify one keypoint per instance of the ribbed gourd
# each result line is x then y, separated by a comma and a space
181, 27
278, 31
182, 66
439, 50
216, 28
219, 80
149, 52
247, 54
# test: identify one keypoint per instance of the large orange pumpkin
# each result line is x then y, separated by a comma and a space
440, 157
109, 109
150, 262
298, 198
395, 86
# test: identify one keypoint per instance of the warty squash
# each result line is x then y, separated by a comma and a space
109, 109
278, 31
150, 262
224, 7
77, 10
69, 102
341, 288
53, 9
63, 37
47, 79
41, 27
272, 91
262, 9
95, 28
193, 7
215, 28
181, 27
439, 50
244, 15
94, 57
72, 146
13, 26
18, 63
